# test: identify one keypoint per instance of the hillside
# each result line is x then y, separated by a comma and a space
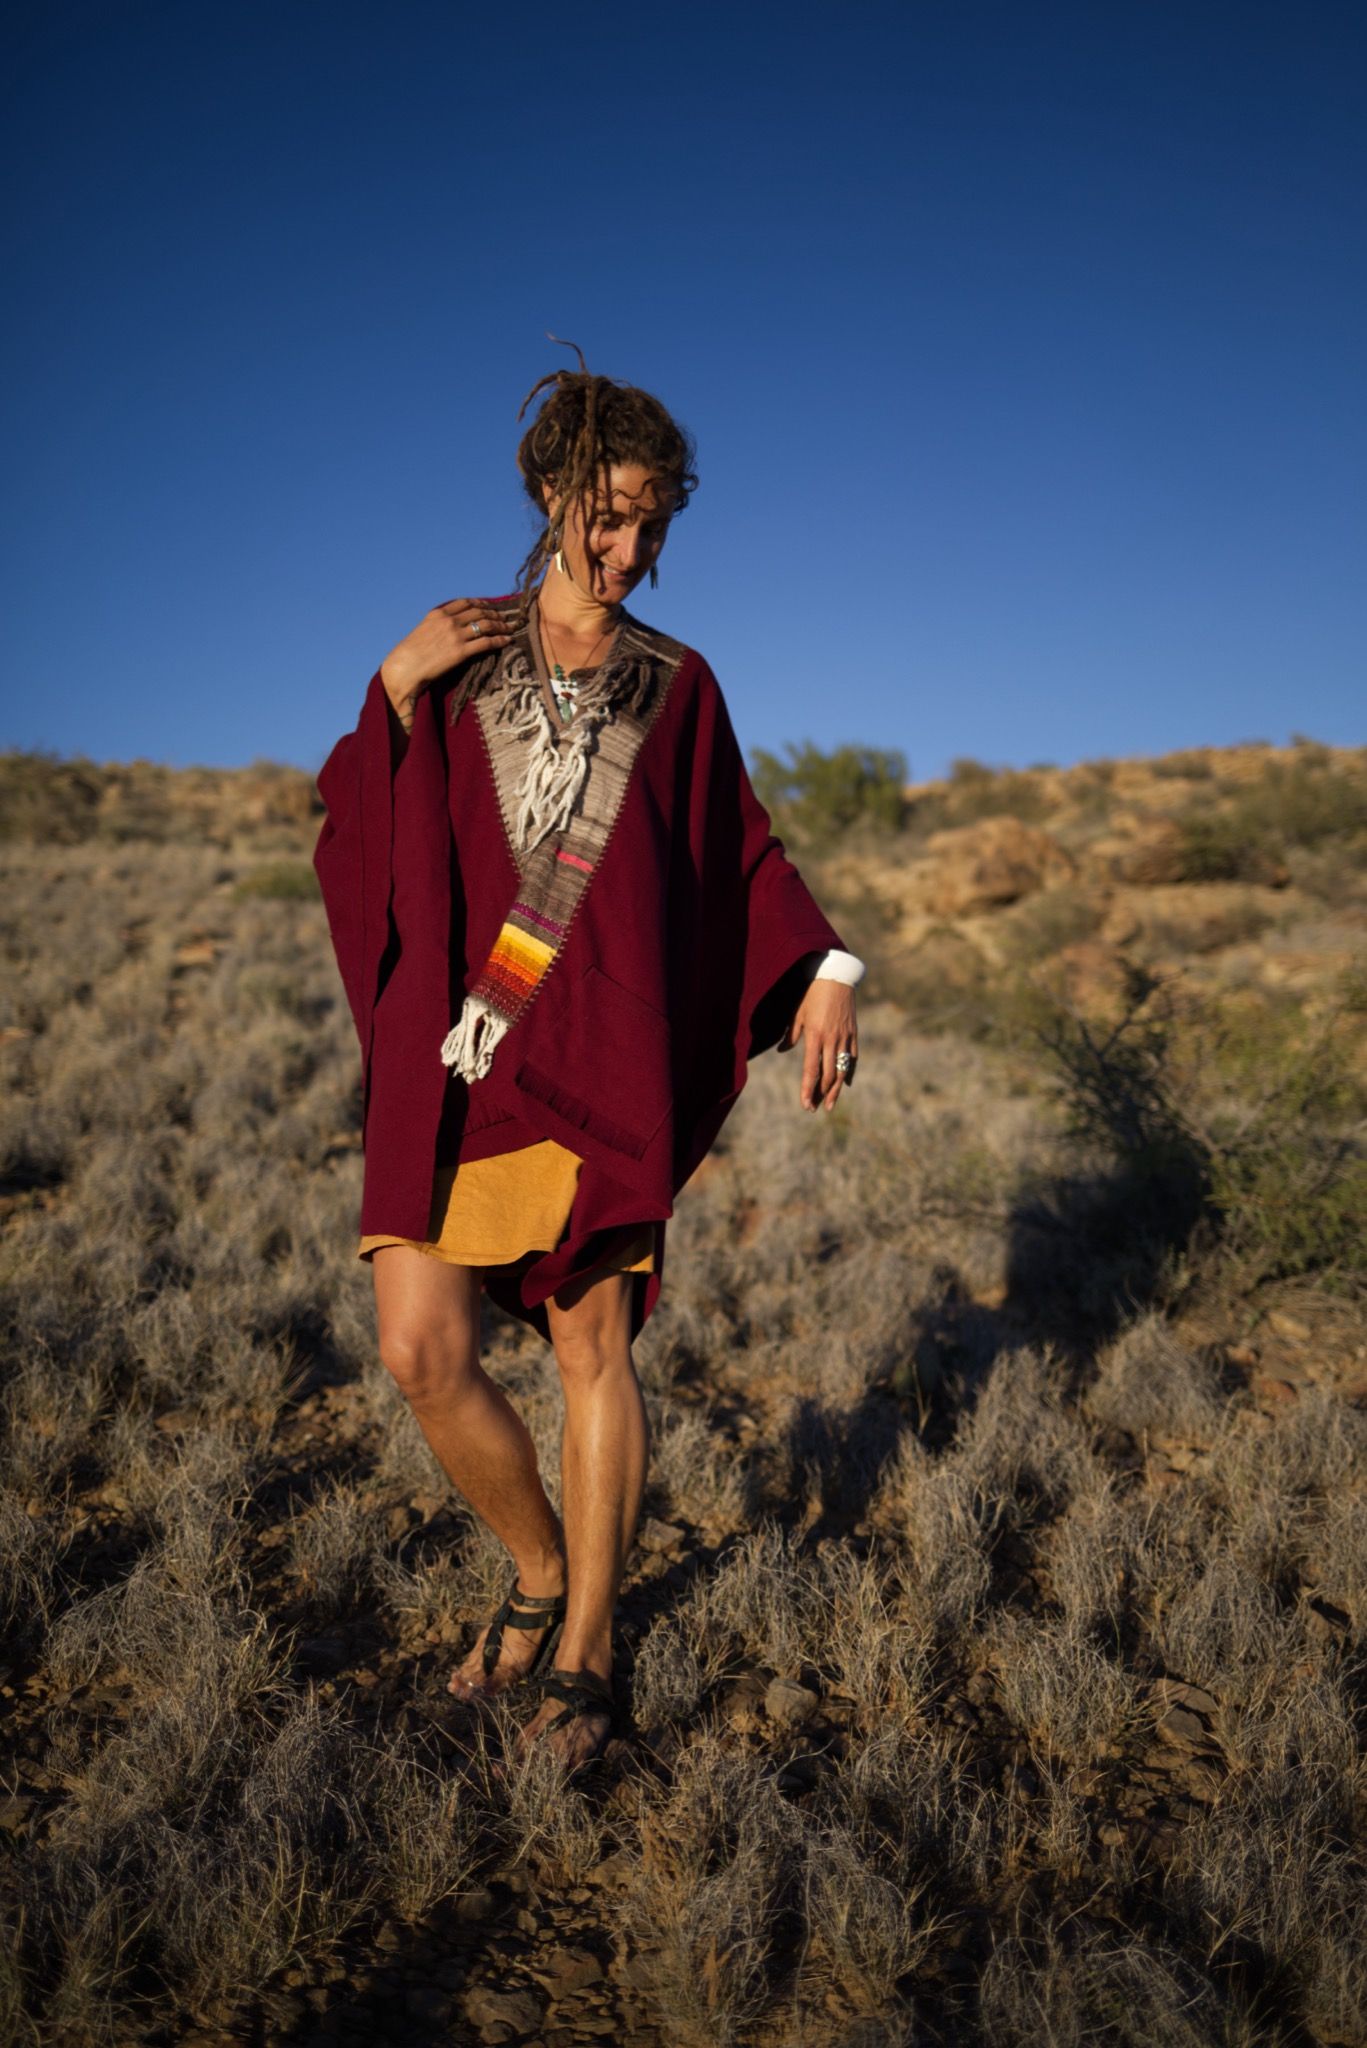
994, 1636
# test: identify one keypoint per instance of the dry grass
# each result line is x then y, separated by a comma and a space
1000, 1682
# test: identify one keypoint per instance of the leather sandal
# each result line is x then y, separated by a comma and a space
524, 1610
583, 1692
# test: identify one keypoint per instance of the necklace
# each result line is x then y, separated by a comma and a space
558, 674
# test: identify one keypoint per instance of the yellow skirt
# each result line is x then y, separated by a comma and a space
491, 1212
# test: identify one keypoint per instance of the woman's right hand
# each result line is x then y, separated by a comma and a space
449, 635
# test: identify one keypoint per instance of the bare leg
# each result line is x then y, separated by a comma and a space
605, 1450
429, 1340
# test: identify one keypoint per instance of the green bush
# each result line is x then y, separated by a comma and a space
975, 792
1288, 1161
819, 796
1246, 1123
1308, 801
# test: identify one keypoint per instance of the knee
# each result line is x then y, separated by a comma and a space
588, 1356
429, 1362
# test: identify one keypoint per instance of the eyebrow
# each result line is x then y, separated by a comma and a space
655, 511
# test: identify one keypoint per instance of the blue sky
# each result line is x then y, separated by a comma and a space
1023, 346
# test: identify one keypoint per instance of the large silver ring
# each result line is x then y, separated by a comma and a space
842, 1061
476, 632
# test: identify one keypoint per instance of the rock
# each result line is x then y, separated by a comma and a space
1288, 1326
970, 868
1269, 1389
1189, 917
741, 1701
197, 953
789, 1703
1195, 1697
1197, 1777
1159, 855
1182, 1728
14, 1813
1153, 855
478, 1904
487, 2008
980, 1686
563, 1970
653, 1535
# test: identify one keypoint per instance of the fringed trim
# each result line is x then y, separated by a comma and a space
470, 1043
540, 770
556, 766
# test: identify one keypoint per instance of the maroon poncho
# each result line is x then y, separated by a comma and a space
681, 964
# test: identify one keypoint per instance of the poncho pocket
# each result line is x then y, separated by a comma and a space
629, 1041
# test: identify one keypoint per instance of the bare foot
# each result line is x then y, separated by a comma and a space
575, 1741
516, 1653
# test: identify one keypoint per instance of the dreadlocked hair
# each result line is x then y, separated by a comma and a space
584, 425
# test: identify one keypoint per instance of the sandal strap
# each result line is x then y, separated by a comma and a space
537, 1610
583, 1692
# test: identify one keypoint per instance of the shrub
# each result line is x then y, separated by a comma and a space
1289, 1176
975, 791
819, 796
1305, 802
1250, 1124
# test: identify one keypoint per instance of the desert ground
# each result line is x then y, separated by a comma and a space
993, 1642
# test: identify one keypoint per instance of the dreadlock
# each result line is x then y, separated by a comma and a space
584, 426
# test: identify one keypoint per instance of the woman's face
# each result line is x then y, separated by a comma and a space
624, 539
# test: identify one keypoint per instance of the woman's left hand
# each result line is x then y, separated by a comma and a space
825, 1020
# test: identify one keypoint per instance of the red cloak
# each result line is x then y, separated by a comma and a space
682, 963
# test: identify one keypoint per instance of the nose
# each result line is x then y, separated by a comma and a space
627, 550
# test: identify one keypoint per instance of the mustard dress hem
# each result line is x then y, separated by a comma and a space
497, 1211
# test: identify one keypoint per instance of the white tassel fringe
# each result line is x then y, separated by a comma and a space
555, 770
470, 1043
547, 794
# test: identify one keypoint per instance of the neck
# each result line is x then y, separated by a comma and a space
573, 614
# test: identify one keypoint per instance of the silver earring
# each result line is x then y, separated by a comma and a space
560, 560
654, 577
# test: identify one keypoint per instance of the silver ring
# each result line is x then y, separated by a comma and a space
476, 632
842, 1061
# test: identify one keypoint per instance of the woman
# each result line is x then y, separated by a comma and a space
564, 927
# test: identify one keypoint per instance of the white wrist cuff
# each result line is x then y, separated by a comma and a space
833, 965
